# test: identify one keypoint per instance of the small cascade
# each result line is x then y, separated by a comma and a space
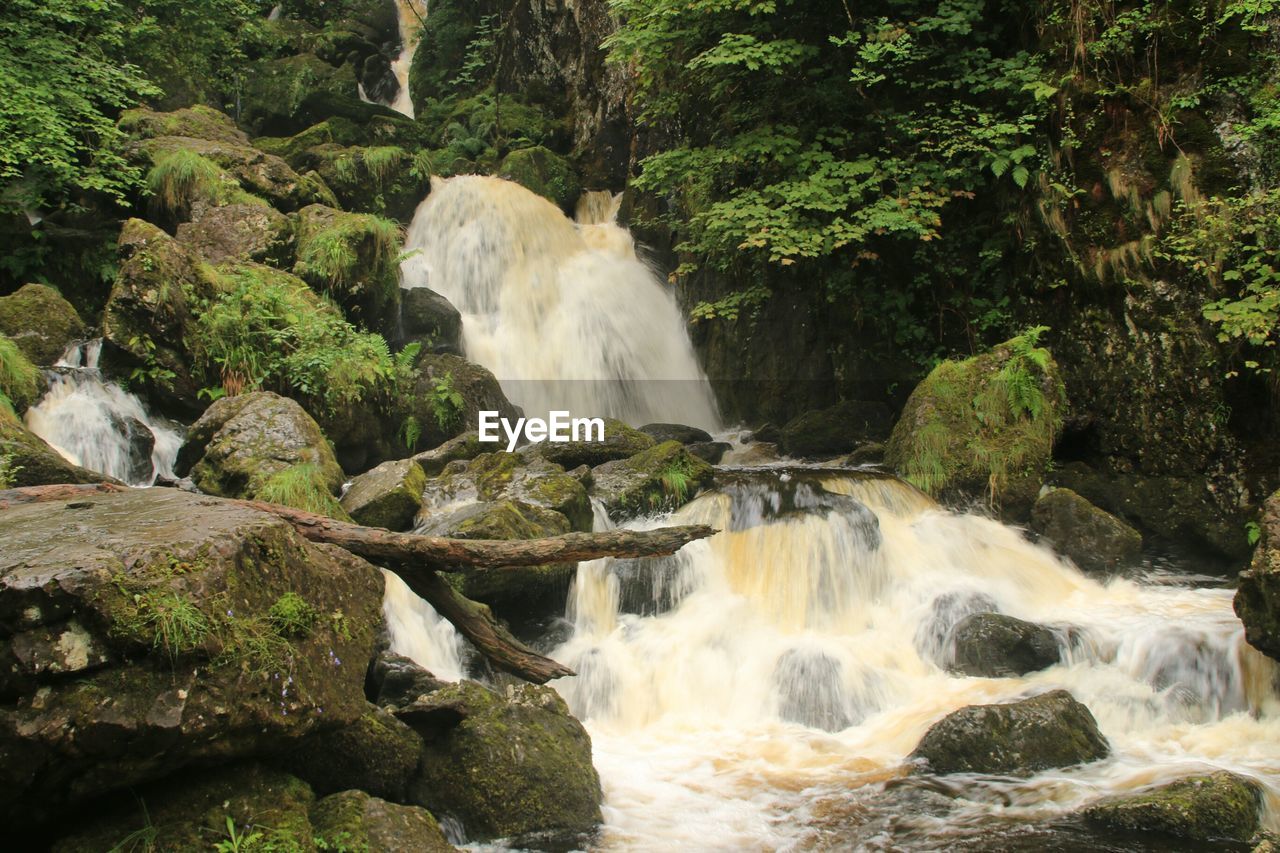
563, 313
752, 683
98, 425
419, 633
410, 14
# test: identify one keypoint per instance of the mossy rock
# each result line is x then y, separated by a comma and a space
151, 311
40, 322
21, 382
190, 813
1016, 738
240, 232
241, 443
386, 180
524, 477
1216, 807
276, 91
353, 820
197, 122
476, 389
388, 496
431, 320
1094, 539
463, 447
442, 50
982, 426
516, 763
619, 442
992, 645
351, 258
302, 148
662, 478
1257, 600
542, 171
222, 634
33, 462
377, 754
835, 430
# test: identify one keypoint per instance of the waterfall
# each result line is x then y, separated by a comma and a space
419, 633
98, 425
564, 314
410, 14
742, 692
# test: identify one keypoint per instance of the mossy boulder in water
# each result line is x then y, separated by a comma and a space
835, 430
40, 322
351, 258
984, 425
240, 232
675, 432
377, 753
449, 395
465, 447
1016, 738
244, 446
211, 632
1217, 807
431, 320
388, 496
664, 477
1257, 600
32, 462
516, 762
524, 477
353, 820
994, 645
542, 171
619, 441
1092, 538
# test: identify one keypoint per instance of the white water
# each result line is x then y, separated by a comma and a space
418, 632
563, 313
708, 719
87, 420
410, 14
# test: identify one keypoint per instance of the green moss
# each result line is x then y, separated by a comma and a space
197, 122
179, 178
292, 616
979, 423
544, 172
351, 257
302, 486
40, 322
664, 477
19, 378
1220, 806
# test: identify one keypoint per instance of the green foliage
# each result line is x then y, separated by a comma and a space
352, 256
302, 486
1252, 533
410, 432
19, 378
9, 471
292, 616
446, 403
266, 329
179, 177
238, 842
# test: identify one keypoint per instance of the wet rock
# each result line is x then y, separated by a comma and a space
1257, 600
190, 812
395, 680
377, 754
517, 762
353, 820
240, 232
277, 92
465, 447
33, 462
141, 442
810, 690
769, 433
710, 452
664, 477
542, 171
619, 442
240, 443
523, 477
40, 322
441, 416
1217, 807
871, 453
675, 432
993, 645
351, 258
1017, 738
835, 430
934, 637
214, 632
1093, 539
388, 496
429, 318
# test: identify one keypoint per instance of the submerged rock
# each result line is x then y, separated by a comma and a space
388, 496
214, 632
993, 645
1016, 738
664, 477
1092, 538
934, 636
810, 690
1216, 807
40, 322
513, 764
1257, 600
353, 820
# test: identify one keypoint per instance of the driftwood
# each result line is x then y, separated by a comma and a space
417, 559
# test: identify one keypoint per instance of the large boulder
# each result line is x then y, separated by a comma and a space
150, 311
542, 171
40, 322
1216, 807
993, 645
466, 447
618, 442
1093, 539
835, 430
663, 477
388, 496
676, 432
32, 462
1017, 738
431, 320
148, 630
983, 426
240, 232
386, 180
513, 763
1257, 600
351, 258
243, 446
281, 94
377, 754
523, 477
449, 395
353, 820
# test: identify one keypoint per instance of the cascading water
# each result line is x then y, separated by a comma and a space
409, 15
565, 315
100, 426
419, 633
758, 689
